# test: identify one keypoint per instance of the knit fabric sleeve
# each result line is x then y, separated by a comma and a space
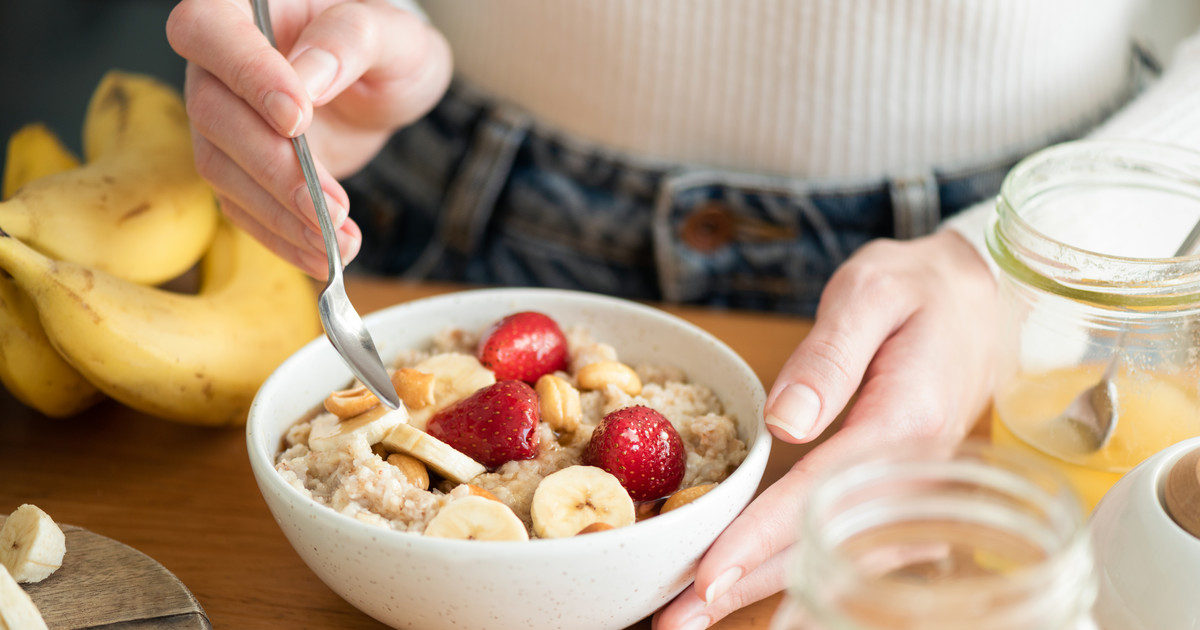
1168, 111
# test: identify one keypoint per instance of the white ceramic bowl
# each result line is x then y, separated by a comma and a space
606, 580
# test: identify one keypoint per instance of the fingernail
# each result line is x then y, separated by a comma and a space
315, 239
795, 410
699, 623
347, 241
317, 69
337, 213
284, 111
318, 266
303, 199
721, 585
353, 246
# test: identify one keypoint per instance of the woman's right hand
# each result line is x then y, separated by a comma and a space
347, 74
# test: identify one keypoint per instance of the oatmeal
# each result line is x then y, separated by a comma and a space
484, 431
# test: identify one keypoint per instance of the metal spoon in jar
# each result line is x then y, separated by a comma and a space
1094, 411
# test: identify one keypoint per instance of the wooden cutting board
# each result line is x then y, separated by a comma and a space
105, 583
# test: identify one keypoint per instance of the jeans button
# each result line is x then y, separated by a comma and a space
709, 227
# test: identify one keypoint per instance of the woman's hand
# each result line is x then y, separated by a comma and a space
909, 326
349, 74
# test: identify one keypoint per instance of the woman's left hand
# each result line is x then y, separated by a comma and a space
908, 326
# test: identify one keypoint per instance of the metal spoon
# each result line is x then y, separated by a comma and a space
1094, 411
343, 326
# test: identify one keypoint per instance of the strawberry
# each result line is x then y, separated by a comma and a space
523, 346
494, 425
642, 449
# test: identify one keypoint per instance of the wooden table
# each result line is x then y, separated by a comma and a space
186, 497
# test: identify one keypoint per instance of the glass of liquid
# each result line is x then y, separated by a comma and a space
941, 538
1085, 236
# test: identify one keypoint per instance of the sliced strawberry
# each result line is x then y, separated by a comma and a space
523, 346
642, 449
492, 426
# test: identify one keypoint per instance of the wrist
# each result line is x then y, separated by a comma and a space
964, 255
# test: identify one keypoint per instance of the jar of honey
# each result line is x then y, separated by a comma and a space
941, 538
1086, 236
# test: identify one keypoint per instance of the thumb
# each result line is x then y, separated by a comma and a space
348, 40
827, 367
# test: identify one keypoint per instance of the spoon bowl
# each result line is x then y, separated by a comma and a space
1095, 410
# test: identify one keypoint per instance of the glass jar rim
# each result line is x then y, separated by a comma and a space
1034, 258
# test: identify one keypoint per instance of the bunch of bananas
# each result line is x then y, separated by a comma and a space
84, 252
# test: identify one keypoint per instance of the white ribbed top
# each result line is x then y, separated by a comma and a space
828, 89
813, 88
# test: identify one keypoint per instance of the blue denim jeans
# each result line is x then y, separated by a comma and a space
477, 192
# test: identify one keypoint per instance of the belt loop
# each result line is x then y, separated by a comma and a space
916, 207
668, 271
472, 194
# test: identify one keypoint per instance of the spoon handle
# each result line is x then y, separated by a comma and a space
328, 233
1184, 249
262, 18
1189, 241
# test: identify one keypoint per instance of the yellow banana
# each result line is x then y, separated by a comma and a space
137, 208
34, 151
197, 359
30, 368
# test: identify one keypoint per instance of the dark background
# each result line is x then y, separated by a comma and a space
53, 53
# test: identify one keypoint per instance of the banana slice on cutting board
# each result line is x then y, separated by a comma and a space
17, 610
476, 518
456, 376
445, 459
329, 432
31, 544
576, 497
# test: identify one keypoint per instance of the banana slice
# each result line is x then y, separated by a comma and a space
456, 376
445, 459
576, 497
17, 610
476, 518
31, 544
329, 433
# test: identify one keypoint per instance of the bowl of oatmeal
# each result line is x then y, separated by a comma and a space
561, 460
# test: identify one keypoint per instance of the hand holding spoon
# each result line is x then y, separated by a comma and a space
343, 326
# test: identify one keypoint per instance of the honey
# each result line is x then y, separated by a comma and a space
1154, 412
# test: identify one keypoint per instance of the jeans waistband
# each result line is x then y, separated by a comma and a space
478, 191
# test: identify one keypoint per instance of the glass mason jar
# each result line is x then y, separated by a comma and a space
1085, 237
924, 538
